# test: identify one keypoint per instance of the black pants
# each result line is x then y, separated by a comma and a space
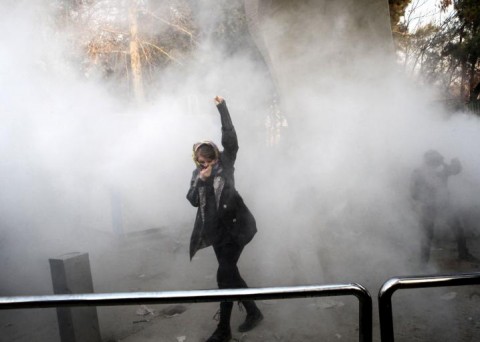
228, 277
428, 218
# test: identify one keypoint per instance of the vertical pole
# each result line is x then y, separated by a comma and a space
71, 274
386, 317
365, 314
135, 60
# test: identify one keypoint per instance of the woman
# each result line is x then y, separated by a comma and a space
223, 220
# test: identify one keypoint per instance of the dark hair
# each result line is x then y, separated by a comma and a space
432, 157
206, 151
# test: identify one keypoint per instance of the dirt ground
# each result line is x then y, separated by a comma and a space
441, 314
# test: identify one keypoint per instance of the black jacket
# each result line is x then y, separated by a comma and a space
429, 185
222, 215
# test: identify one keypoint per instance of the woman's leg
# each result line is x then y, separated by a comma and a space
228, 276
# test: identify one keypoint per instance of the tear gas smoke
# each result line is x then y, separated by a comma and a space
331, 201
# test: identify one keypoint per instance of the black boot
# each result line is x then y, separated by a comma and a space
223, 332
254, 316
466, 256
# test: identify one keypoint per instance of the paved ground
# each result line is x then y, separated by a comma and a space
153, 261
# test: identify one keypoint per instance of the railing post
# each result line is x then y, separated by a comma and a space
414, 282
385, 310
365, 314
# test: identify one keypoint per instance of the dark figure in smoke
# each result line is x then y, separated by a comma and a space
429, 190
223, 220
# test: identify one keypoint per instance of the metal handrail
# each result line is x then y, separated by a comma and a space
198, 296
414, 282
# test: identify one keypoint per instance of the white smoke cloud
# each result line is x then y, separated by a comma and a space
331, 201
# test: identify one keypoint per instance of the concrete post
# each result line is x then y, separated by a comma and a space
71, 274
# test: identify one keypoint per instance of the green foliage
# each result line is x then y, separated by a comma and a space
446, 54
466, 51
468, 12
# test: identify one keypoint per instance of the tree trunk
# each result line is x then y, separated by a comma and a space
471, 88
463, 69
135, 61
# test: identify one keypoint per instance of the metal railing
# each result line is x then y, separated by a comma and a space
198, 296
414, 282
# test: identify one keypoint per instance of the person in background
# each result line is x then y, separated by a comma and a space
223, 220
429, 191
